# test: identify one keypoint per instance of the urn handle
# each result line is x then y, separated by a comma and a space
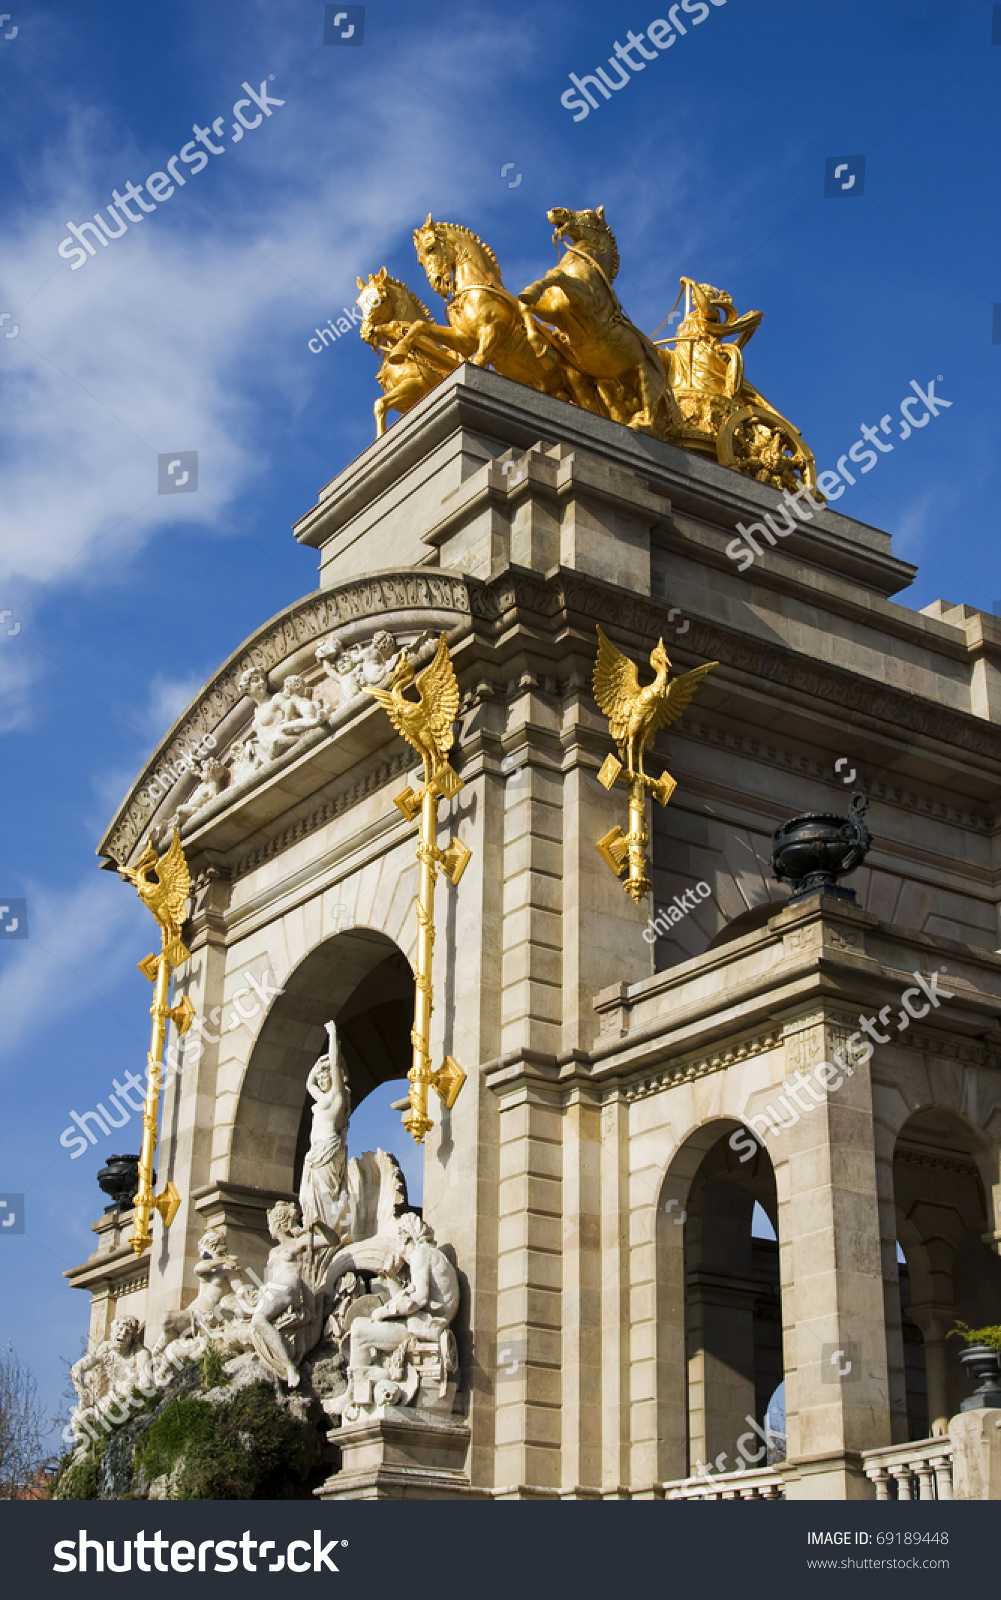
855, 833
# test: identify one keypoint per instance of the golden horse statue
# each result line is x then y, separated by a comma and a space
390, 311
485, 321
607, 353
568, 336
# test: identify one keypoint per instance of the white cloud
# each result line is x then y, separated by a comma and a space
140, 349
76, 938
167, 699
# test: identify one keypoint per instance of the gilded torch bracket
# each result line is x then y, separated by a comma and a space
427, 724
166, 895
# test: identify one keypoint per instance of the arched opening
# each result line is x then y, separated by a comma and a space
724, 1214
362, 981
949, 1273
374, 1027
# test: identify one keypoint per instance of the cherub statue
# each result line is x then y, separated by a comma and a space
299, 711
244, 761
212, 781
357, 666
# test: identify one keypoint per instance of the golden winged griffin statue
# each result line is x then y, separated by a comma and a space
567, 335
635, 715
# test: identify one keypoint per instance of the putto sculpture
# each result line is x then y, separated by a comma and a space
568, 335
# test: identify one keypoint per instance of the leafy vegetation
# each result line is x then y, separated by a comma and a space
990, 1336
249, 1448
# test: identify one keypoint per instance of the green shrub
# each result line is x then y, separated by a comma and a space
990, 1336
212, 1367
248, 1448
80, 1479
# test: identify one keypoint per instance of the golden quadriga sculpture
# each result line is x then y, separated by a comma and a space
635, 715
567, 335
427, 724
166, 895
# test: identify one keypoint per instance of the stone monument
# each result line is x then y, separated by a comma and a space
598, 1317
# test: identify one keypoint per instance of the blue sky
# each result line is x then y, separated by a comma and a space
190, 332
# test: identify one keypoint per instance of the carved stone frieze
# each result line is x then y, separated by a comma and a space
580, 601
311, 619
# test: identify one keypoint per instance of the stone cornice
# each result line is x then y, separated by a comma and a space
579, 600
575, 603
702, 1066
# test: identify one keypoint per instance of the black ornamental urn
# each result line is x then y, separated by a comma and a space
813, 851
119, 1178
982, 1361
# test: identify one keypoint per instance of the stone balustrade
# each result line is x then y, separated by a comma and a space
920, 1470
758, 1483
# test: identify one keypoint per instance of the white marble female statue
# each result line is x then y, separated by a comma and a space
323, 1193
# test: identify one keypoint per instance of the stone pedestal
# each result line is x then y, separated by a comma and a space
976, 1454
398, 1455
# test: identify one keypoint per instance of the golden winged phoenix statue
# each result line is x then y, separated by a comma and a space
163, 883
635, 715
166, 894
427, 724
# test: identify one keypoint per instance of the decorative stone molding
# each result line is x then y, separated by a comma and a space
342, 801
128, 1286
703, 1066
963, 1165
822, 684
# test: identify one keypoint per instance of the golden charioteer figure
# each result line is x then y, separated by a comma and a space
166, 895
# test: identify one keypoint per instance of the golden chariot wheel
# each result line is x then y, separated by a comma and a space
760, 443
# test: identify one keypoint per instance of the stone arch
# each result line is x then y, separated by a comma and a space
704, 1211
943, 1208
359, 978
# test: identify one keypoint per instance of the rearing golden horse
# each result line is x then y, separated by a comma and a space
486, 325
607, 352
